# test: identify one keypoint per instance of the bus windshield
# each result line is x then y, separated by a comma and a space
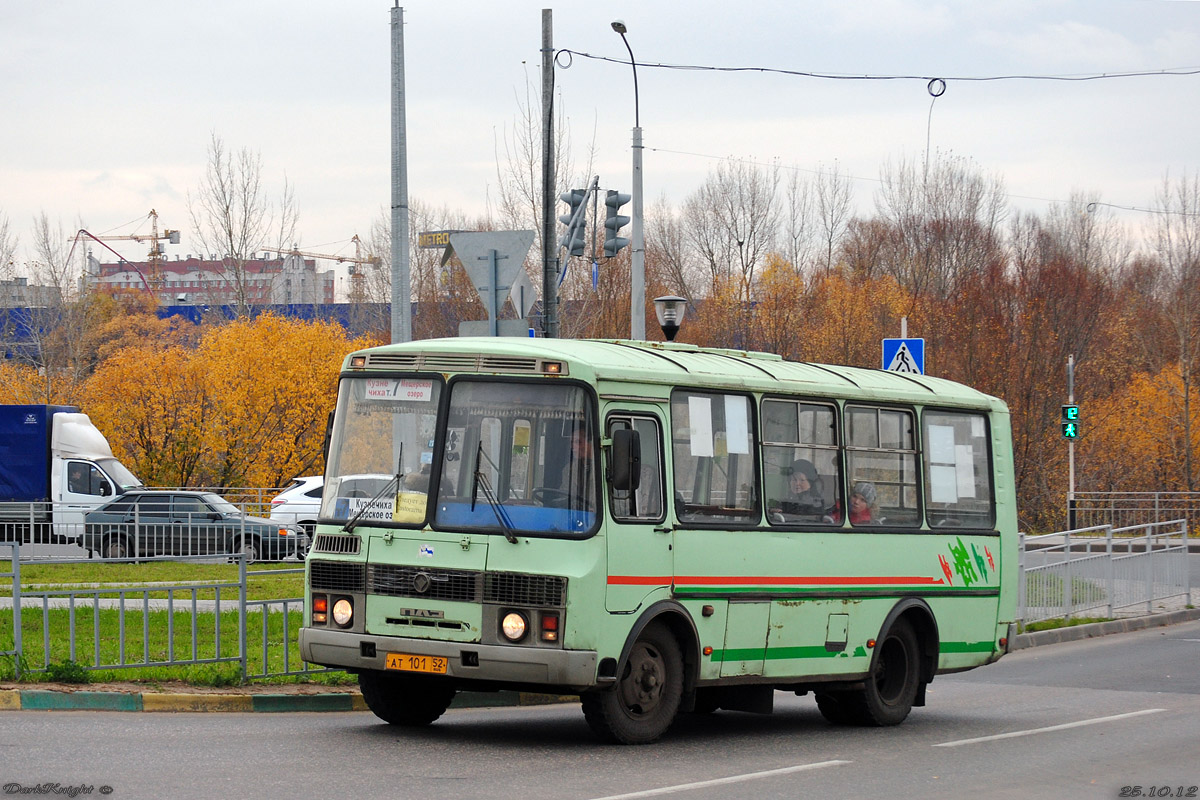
381, 449
518, 457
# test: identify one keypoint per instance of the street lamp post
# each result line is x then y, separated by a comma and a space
637, 259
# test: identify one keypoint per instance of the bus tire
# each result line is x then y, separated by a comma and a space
645, 701
402, 700
895, 678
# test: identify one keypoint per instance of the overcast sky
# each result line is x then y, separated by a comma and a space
108, 107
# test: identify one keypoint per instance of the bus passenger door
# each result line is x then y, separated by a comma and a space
639, 543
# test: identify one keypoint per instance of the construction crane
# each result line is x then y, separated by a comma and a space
354, 259
154, 258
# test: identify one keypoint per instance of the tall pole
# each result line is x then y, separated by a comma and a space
637, 258
1071, 447
549, 244
401, 285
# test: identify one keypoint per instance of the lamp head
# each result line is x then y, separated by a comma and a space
618, 25
670, 310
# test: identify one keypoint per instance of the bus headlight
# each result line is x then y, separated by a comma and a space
513, 626
343, 612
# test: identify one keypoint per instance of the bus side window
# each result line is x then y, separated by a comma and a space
881, 452
714, 450
648, 497
801, 464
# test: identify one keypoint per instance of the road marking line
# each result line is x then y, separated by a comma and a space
749, 776
1063, 727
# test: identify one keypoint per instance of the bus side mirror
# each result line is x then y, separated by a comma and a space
626, 460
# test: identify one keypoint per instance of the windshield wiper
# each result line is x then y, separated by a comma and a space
481, 481
392, 481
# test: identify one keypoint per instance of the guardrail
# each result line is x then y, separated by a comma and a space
138, 624
1125, 509
1102, 568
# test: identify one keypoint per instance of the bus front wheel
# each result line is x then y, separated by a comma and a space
404, 700
643, 704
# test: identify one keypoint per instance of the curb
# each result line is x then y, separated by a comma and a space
1075, 633
44, 700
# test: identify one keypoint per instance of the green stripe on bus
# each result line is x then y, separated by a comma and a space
819, 651
967, 647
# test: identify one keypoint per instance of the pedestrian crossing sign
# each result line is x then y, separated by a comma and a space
904, 355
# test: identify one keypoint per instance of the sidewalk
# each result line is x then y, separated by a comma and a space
310, 697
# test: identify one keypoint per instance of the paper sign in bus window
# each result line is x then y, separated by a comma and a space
700, 426
737, 431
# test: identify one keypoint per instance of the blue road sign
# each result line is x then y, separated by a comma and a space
904, 355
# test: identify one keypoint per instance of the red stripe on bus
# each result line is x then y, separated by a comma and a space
639, 580
656, 580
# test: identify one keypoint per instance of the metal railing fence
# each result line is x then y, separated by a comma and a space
1126, 509
1103, 569
138, 624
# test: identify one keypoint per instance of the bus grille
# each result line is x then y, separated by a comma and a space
336, 576
467, 587
437, 584
337, 543
524, 590
453, 362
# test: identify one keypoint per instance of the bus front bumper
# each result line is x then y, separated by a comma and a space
532, 666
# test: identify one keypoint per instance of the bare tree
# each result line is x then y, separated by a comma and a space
948, 219
234, 219
833, 206
1177, 244
519, 163
732, 220
798, 227
8, 250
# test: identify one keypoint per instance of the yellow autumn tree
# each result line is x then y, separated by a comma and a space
22, 385
152, 404
271, 384
846, 318
1133, 440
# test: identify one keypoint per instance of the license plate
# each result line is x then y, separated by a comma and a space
407, 662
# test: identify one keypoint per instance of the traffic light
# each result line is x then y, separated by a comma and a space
613, 222
1070, 422
575, 220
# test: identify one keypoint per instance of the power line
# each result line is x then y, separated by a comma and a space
838, 76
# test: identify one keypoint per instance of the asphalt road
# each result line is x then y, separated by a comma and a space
1076, 720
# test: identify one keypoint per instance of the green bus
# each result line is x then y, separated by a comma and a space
658, 528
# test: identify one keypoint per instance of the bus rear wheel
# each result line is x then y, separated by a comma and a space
404, 700
889, 691
645, 701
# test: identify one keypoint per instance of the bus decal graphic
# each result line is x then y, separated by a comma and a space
962, 563
945, 568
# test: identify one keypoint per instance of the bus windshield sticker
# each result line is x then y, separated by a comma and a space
378, 510
399, 389
700, 426
737, 430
